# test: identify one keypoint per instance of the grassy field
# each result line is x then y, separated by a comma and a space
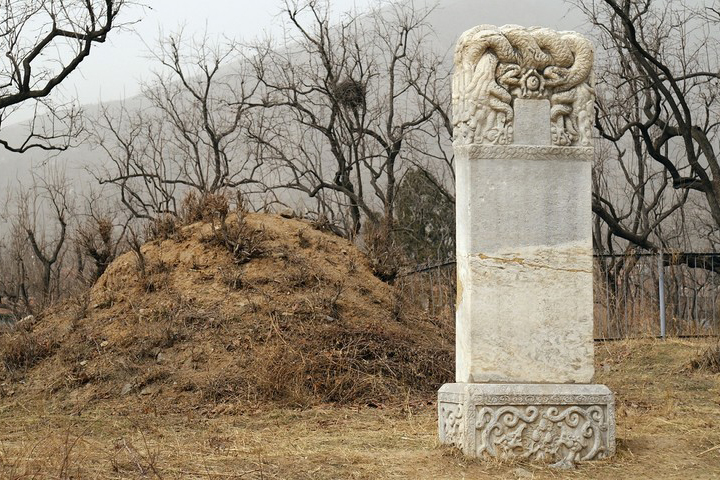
668, 426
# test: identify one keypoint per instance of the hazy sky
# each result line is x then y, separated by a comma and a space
114, 69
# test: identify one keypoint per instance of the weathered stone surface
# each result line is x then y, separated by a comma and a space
524, 262
531, 118
552, 423
494, 66
525, 330
523, 107
523, 205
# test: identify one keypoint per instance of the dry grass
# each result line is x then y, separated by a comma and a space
708, 360
247, 308
21, 350
667, 428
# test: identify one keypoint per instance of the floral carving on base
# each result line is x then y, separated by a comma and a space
564, 435
529, 421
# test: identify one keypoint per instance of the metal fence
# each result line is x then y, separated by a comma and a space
674, 293
635, 295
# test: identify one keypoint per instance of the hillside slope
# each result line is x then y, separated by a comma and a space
300, 320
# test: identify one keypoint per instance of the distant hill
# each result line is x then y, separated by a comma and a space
450, 19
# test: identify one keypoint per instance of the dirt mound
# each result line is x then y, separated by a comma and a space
294, 316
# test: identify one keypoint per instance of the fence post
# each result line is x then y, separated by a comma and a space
607, 301
661, 293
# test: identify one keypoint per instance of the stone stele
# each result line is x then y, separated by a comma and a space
522, 111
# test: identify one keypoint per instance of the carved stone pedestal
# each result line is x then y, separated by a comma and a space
559, 424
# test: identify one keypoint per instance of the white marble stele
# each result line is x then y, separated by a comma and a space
522, 111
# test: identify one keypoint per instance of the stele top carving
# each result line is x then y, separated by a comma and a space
494, 66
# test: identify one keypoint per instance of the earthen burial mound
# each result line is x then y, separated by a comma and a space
296, 319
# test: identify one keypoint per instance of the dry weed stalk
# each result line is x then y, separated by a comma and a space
164, 227
708, 360
384, 254
21, 350
128, 457
136, 246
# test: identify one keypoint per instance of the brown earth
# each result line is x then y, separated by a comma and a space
667, 428
291, 360
297, 319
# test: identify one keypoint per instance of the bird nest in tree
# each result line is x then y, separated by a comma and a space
350, 93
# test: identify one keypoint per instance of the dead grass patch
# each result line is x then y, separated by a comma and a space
21, 350
666, 428
708, 360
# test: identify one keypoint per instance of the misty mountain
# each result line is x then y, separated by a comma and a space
449, 20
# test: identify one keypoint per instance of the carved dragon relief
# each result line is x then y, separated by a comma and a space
494, 66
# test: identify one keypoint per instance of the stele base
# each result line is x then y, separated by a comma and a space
557, 424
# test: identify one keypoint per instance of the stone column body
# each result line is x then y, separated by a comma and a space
522, 108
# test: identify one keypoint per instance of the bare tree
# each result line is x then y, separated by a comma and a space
15, 286
658, 103
190, 134
346, 102
42, 43
40, 218
99, 236
632, 197
44, 254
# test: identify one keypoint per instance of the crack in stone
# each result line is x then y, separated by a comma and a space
525, 263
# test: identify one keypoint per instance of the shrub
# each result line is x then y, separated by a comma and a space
22, 350
384, 254
708, 360
205, 207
